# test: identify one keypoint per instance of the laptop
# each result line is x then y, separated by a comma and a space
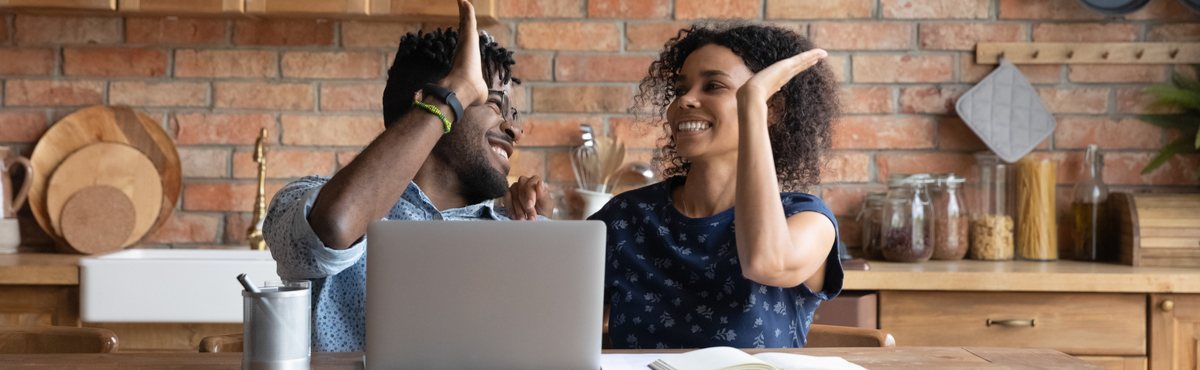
484, 294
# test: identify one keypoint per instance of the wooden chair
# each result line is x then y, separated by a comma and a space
222, 343
846, 336
56, 339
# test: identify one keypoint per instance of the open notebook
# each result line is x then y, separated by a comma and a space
729, 358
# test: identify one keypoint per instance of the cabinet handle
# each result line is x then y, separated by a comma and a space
1167, 305
1012, 323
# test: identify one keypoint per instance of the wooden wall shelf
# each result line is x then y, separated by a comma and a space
1088, 53
439, 12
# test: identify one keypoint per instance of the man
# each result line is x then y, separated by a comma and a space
443, 156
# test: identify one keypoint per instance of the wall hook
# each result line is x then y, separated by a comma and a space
1139, 54
1105, 55
1173, 53
1035, 53
1070, 54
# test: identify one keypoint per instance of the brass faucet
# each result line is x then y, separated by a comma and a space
254, 234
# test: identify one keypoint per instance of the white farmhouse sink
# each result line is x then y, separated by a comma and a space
169, 285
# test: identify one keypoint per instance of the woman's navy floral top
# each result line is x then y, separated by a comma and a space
675, 282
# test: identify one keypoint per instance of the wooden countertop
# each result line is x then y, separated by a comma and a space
39, 269
900, 358
1029, 276
965, 275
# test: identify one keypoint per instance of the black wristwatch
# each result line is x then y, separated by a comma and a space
447, 96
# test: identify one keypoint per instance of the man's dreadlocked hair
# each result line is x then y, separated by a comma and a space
426, 58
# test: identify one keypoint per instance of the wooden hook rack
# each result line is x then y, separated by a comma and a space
1088, 53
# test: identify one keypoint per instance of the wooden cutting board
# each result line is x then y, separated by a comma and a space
117, 165
97, 219
97, 124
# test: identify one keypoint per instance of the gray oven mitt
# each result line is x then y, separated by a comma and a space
1006, 112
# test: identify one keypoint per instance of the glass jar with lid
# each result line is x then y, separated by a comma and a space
907, 226
870, 220
950, 218
991, 223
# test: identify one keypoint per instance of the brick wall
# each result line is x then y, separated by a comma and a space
316, 85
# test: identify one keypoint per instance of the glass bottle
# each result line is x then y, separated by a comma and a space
1087, 206
870, 217
950, 219
908, 228
991, 223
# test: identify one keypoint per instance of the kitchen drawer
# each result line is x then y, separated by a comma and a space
1075, 323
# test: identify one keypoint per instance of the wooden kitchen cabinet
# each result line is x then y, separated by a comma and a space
1174, 331
1094, 324
313, 7
1110, 315
172, 7
445, 11
39, 289
108, 5
407, 10
39, 305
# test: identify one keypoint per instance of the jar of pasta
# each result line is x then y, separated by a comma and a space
1037, 224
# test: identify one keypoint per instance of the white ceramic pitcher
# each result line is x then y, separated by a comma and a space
10, 231
10, 202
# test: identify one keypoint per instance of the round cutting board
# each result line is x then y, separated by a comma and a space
117, 165
103, 124
97, 219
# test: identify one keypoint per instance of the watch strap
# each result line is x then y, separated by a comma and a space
446, 96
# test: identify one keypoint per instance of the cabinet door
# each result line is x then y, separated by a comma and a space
178, 7
61, 4
318, 7
443, 11
1175, 331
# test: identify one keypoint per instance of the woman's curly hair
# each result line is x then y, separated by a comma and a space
801, 112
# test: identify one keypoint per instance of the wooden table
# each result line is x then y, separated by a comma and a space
932, 358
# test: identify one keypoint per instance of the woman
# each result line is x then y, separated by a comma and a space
747, 112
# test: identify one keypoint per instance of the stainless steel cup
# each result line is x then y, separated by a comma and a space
276, 327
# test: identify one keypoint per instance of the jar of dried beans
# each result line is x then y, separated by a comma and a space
870, 218
907, 226
950, 219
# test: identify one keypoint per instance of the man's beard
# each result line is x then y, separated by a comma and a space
478, 181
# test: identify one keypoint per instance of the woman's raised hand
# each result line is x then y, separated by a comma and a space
466, 73
769, 80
